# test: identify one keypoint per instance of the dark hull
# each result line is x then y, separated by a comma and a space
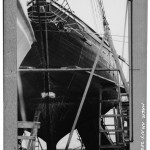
69, 88
67, 49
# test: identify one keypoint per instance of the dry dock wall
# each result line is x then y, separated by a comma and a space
10, 83
139, 62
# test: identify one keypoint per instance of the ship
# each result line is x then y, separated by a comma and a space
66, 46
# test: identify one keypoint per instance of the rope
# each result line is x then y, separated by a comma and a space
93, 13
97, 14
124, 31
102, 8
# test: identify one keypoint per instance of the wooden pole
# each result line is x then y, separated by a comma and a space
100, 110
130, 72
63, 69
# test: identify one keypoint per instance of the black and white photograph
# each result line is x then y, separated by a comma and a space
75, 74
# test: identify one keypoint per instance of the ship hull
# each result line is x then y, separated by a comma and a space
69, 88
67, 50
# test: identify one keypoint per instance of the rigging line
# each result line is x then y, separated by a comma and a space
69, 85
58, 17
63, 7
67, 17
60, 13
84, 32
63, 10
74, 18
94, 14
97, 14
124, 31
94, 17
98, 9
119, 41
102, 6
100, 14
62, 2
57, 11
60, 7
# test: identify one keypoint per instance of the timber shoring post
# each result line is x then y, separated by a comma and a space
49, 135
130, 25
63, 69
100, 110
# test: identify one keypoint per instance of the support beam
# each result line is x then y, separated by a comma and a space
130, 71
64, 69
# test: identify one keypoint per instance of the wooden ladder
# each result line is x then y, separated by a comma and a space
34, 126
119, 129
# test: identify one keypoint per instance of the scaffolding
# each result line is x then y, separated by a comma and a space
119, 127
34, 126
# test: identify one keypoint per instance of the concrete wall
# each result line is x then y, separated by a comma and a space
139, 47
10, 83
